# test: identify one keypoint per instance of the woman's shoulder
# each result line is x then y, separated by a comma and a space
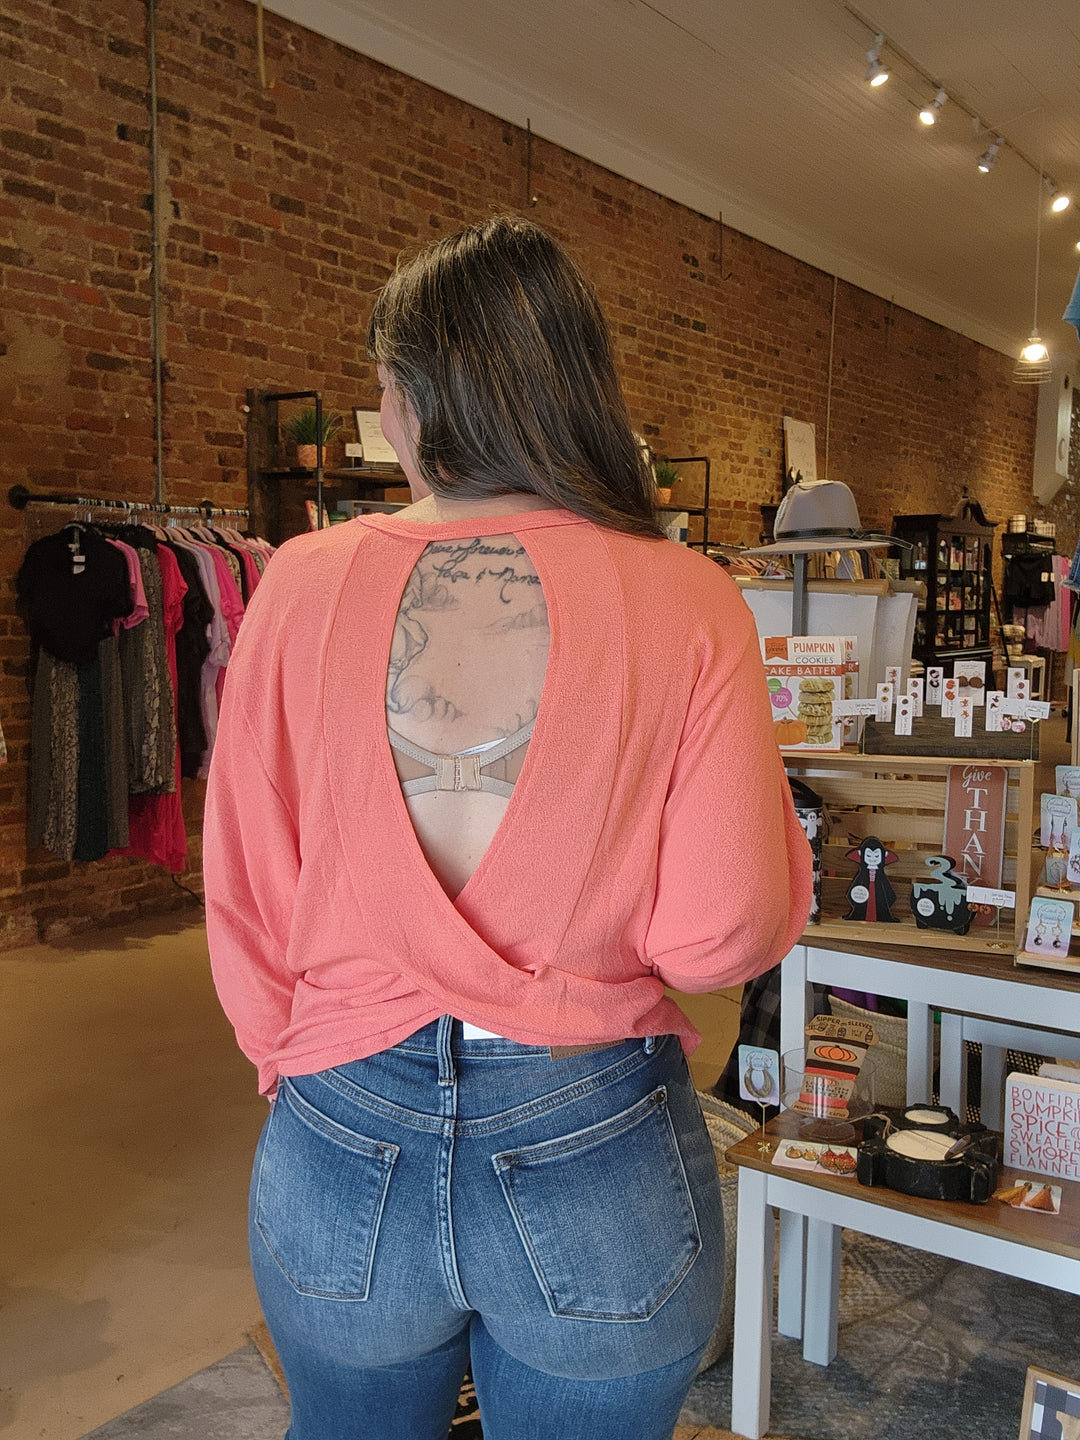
675, 581
301, 560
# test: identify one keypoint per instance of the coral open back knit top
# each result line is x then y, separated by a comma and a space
649, 840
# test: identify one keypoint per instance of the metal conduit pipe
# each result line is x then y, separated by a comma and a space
155, 258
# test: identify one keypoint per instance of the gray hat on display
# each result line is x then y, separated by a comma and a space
816, 517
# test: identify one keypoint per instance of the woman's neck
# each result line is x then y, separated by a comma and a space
438, 510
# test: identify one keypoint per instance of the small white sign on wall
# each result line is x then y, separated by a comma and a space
800, 451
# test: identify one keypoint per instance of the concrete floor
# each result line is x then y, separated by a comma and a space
129, 1121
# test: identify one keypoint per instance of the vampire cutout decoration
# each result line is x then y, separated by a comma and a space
870, 894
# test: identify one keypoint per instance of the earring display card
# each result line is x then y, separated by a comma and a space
993, 709
949, 691
1049, 931
1017, 683
934, 678
916, 691
904, 710
1058, 821
970, 676
962, 716
884, 702
759, 1075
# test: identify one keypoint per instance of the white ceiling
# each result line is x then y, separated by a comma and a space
758, 110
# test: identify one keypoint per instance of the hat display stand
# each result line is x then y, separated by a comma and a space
812, 519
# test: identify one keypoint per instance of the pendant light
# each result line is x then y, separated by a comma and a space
1033, 366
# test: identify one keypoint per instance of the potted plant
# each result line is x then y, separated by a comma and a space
303, 431
665, 475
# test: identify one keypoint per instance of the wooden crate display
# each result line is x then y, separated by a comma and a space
901, 800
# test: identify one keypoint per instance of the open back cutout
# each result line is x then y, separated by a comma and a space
463, 686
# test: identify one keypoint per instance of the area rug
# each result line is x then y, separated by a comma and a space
928, 1348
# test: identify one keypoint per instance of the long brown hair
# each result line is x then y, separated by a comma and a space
498, 343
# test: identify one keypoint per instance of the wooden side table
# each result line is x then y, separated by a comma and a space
1032, 1246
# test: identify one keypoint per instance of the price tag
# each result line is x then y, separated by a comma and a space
978, 895
904, 710
1023, 709
847, 709
884, 703
915, 690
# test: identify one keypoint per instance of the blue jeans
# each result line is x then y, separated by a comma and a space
555, 1223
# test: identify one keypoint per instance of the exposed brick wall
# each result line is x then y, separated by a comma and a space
284, 211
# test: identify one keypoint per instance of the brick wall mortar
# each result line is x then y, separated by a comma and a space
284, 212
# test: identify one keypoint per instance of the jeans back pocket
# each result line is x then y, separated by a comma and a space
319, 1197
605, 1214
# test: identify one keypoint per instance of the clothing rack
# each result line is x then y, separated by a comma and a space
19, 498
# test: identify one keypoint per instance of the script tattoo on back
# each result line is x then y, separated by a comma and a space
446, 571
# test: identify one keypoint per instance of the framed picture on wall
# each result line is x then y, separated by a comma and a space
377, 449
1051, 1407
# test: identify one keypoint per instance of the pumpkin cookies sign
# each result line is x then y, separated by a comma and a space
805, 675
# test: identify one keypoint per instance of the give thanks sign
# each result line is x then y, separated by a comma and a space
975, 827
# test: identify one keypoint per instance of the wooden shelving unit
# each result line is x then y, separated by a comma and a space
952, 555
277, 493
694, 511
901, 800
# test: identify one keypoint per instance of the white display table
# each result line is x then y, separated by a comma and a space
813, 1212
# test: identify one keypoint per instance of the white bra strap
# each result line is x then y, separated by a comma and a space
462, 770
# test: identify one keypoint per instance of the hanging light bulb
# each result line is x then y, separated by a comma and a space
929, 112
1033, 367
988, 158
876, 72
1060, 202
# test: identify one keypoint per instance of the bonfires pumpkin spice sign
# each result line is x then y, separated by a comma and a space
975, 826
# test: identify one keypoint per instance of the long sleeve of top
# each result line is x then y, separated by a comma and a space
650, 840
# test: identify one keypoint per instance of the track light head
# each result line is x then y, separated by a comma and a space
988, 158
1060, 202
876, 72
929, 112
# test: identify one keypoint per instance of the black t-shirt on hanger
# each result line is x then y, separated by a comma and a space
68, 613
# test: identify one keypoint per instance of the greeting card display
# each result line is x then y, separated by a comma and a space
1067, 780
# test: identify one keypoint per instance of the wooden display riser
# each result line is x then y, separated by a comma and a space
981, 940
1071, 965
